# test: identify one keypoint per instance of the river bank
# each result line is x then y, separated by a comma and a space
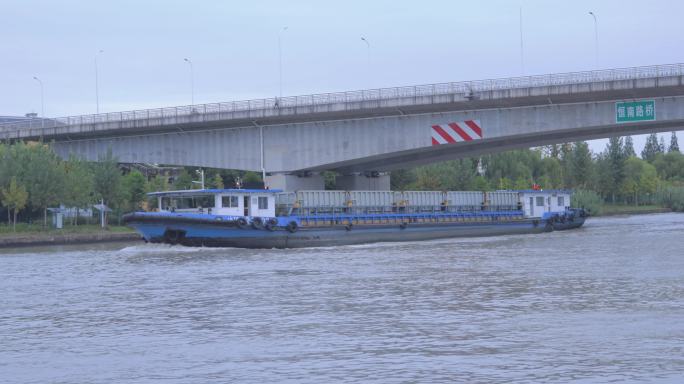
613, 210
60, 237
94, 234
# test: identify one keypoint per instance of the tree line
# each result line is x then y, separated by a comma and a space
33, 178
614, 175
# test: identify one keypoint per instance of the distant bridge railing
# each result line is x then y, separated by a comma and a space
354, 100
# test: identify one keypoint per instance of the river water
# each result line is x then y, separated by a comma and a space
601, 304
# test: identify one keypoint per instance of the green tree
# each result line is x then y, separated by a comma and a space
158, 183
640, 179
549, 174
582, 165
78, 185
329, 180
44, 178
616, 160
183, 180
400, 179
651, 149
107, 180
217, 181
481, 184
588, 200
251, 177
674, 145
605, 183
133, 189
629, 147
670, 166
449, 175
14, 197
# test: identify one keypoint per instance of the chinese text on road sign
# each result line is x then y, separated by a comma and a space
629, 111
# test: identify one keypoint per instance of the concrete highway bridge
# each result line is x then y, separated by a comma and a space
364, 134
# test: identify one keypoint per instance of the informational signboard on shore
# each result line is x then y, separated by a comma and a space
631, 111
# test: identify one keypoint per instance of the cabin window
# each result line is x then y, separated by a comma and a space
561, 201
263, 202
187, 202
229, 201
540, 201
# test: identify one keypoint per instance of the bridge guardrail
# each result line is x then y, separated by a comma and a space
289, 105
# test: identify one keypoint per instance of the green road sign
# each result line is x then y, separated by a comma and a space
630, 111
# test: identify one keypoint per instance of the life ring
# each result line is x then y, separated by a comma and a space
292, 227
257, 223
242, 223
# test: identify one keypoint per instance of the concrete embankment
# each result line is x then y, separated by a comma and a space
32, 239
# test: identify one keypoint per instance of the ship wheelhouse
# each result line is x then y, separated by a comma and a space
228, 202
537, 203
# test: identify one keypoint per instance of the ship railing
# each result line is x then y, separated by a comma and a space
400, 218
290, 209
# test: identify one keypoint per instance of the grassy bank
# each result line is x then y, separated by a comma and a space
31, 235
38, 229
621, 209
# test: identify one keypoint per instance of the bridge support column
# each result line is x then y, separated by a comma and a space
366, 181
295, 182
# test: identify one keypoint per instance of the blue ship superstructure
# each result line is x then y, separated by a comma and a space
255, 218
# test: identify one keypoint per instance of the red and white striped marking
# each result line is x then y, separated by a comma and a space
456, 132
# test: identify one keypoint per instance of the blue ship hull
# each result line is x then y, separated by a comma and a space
226, 231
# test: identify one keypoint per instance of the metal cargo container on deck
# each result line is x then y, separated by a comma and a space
465, 200
504, 200
322, 199
381, 200
423, 199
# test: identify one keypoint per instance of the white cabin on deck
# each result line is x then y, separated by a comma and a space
229, 202
536, 203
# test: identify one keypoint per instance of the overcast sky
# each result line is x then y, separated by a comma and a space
234, 47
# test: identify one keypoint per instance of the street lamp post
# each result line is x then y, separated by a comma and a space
280, 61
367, 55
97, 90
200, 173
596, 53
42, 100
522, 52
192, 81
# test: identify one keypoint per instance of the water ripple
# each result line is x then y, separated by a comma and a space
600, 304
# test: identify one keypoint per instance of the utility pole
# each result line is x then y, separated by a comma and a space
522, 55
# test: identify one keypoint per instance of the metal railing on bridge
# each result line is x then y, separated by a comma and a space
352, 100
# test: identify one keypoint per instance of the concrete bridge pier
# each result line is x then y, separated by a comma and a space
364, 181
295, 181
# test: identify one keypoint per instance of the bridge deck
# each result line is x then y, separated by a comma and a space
612, 83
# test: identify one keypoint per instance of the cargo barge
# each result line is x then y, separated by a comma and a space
254, 218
